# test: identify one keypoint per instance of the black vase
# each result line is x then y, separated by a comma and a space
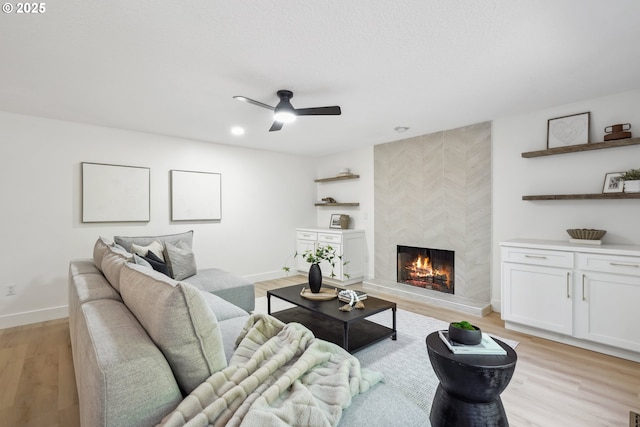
315, 278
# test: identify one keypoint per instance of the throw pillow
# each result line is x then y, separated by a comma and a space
141, 261
178, 319
181, 260
156, 247
126, 242
156, 263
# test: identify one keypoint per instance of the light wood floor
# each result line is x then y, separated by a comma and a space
553, 385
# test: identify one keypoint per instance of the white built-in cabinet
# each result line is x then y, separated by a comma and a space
348, 243
584, 295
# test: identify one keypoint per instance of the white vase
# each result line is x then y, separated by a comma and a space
632, 186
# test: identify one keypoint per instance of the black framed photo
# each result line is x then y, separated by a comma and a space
612, 182
568, 130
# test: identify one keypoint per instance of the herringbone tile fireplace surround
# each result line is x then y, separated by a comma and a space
435, 191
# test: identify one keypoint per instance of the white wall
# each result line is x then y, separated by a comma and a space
264, 197
360, 162
575, 173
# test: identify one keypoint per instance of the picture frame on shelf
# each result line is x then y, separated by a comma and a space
569, 130
335, 221
613, 183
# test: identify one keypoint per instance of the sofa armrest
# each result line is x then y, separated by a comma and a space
122, 377
235, 289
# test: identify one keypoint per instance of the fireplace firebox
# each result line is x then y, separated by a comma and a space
426, 268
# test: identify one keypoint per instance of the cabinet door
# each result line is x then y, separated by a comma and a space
537, 296
301, 247
607, 307
337, 268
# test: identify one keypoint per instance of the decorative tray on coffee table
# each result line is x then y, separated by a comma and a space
325, 294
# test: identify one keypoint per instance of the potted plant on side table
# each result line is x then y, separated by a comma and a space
465, 333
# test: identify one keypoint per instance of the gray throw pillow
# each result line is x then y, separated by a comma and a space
179, 320
181, 260
126, 241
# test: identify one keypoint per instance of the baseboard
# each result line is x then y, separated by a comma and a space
29, 317
278, 274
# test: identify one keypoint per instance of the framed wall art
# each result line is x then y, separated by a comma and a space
568, 130
612, 183
114, 193
195, 196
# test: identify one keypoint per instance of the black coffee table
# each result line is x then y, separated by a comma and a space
348, 329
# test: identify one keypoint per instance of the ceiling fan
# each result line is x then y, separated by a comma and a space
284, 111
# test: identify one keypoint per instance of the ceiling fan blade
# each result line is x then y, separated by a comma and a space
276, 126
254, 102
319, 111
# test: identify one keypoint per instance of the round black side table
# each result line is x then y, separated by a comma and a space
470, 385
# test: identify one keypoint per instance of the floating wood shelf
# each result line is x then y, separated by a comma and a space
583, 196
337, 178
583, 147
337, 204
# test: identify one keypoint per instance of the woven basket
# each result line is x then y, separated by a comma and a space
586, 233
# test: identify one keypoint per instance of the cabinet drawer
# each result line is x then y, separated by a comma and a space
628, 265
307, 235
538, 257
329, 238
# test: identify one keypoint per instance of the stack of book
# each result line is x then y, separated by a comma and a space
346, 295
486, 346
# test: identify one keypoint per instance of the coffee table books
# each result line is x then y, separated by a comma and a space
486, 346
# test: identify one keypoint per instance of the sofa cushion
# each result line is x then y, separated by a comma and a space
112, 262
99, 249
181, 260
156, 247
222, 308
227, 285
126, 242
178, 319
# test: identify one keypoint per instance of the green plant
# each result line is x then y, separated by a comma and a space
631, 175
319, 254
463, 325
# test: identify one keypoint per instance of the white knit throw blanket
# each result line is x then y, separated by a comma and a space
279, 375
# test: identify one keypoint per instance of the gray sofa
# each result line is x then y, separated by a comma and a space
142, 341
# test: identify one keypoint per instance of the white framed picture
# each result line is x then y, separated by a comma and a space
196, 196
568, 130
114, 193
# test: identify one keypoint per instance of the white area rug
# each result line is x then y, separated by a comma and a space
404, 362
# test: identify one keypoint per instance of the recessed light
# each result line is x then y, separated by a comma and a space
401, 129
237, 130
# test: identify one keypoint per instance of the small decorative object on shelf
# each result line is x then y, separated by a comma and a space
586, 235
329, 200
568, 130
465, 333
345, 172
631, 180
613, 182
618, 131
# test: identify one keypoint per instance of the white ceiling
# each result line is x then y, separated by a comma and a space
172, 67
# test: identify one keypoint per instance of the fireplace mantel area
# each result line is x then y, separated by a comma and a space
434, 191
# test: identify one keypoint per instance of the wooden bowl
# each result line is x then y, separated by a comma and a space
586, 233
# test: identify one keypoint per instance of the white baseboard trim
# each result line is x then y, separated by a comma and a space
35, 316
278, 274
